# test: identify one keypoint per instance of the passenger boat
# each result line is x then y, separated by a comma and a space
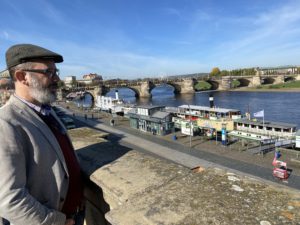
113, 105
266, 132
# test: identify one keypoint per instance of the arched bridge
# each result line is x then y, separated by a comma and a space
186, 86
144, 88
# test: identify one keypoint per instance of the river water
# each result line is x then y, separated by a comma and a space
278, 106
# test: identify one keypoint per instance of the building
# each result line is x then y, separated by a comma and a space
151, 119
280, 70
70, 81
91, 78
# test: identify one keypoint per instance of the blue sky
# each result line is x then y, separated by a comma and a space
154, 38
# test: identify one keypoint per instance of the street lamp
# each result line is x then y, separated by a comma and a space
190, 126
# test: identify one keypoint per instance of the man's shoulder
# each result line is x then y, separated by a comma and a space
12, 109
6, 110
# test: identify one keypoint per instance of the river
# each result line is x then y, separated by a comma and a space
278, 106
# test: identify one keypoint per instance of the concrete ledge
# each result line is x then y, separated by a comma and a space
140, 189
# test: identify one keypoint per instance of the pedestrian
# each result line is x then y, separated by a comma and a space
41, 180
112, 122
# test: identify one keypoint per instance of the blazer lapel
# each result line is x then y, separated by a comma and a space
27, 113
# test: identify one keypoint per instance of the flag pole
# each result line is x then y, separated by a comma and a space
263, 118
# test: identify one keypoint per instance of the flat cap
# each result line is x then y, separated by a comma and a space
21, 53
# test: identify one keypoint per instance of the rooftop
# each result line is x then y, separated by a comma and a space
206, 108
267, 123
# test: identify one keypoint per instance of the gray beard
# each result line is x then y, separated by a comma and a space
41, 94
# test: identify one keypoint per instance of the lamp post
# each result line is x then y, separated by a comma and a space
190, 126
224, 134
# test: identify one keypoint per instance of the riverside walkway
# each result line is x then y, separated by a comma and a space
188, 157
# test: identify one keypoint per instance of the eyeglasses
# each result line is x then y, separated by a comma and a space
50, 73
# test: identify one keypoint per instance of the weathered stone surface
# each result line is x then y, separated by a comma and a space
187, 87
145, 90
142, 189
256, 81
133, 174
208, 198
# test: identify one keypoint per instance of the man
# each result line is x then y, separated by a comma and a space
40, 178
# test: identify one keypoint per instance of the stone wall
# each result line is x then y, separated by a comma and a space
130, 187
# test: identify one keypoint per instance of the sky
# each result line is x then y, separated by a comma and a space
132, 39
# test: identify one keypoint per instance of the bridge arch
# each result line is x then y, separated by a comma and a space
289, 78
136, 91
243, 82
176, 88
214, 84
268, 80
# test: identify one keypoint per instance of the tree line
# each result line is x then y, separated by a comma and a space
216, 72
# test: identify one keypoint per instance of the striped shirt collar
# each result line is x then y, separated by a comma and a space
45, 110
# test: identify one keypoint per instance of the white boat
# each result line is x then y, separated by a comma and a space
113, 105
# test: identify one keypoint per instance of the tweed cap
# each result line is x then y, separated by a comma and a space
21, 53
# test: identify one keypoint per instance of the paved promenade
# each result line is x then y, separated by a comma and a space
183, 155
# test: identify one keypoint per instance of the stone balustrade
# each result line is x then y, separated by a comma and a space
129, 187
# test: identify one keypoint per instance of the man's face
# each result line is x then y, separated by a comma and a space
43, 87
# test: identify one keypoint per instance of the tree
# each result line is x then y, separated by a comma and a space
215, 72
61, 84
224, 73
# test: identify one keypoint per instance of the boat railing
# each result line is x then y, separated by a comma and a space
267, 132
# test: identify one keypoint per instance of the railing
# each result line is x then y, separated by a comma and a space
266, 132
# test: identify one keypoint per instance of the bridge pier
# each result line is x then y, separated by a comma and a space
225, 83
145, 89
187, 87
255, 81
279, 79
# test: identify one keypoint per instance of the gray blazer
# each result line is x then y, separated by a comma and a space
33, 174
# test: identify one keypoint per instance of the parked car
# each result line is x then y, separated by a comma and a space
68, 122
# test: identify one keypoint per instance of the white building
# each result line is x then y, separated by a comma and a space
70, 80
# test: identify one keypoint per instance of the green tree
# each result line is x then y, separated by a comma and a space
61, 84
215, 72
224, 73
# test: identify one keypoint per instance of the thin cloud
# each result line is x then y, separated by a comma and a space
5, 35
269, 32
172, 11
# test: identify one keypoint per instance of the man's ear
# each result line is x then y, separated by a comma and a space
21, 77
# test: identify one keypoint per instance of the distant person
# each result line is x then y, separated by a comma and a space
40, 177
112, 122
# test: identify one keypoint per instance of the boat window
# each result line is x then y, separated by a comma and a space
268, 128
277, 129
